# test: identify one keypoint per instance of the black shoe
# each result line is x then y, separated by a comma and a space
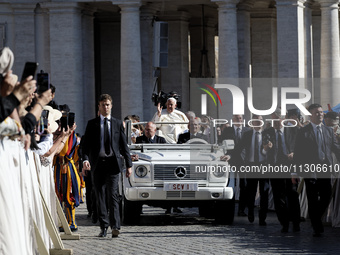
74, 229
103, 232
61, 229
241, 214
94, 219
115, 233
262, 223
251, 217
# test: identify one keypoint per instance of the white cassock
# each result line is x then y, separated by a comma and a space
171, 131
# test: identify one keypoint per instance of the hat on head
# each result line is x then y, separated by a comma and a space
64, 107
6, 60
53, 115
331, 115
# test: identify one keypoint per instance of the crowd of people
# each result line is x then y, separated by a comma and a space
288, 141
31, 122
94, 161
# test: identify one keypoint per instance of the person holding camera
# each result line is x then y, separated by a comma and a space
170, 131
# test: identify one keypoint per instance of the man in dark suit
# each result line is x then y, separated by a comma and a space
104, 144
235, 132
150, 135
251, 142
194, 128
314, 145
280, 152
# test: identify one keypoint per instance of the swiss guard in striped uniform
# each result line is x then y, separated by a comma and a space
67, 179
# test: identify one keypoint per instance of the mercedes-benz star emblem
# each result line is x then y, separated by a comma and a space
180, 172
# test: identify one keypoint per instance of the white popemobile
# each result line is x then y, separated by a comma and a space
184, 175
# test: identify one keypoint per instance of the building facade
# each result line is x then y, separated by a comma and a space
94, 47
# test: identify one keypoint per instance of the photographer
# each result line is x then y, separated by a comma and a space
171, 131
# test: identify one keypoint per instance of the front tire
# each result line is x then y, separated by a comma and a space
225, 211
131, 211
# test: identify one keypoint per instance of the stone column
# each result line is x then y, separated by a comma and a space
227, 39
290, 45
244, 47
290, 38
89, 94
23, 36
263, 53
176, 76
330, 62
316, 37
308, 48
41, 26
147, 34
228, 62
130, 62
244, 41
66, 57
264, 43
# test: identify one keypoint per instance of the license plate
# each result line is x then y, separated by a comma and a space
180, 186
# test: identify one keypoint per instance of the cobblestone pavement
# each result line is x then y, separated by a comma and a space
187, 233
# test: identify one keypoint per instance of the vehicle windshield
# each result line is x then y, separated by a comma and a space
177, 134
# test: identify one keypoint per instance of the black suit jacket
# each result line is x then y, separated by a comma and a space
229, 133
183, 138
306, 148
91, 146
144, 139
245, 144
289, 137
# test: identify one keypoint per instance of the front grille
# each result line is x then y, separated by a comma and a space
167, 172
161, 185
180, 194
173, 194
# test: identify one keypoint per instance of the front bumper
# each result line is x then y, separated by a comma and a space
157, 193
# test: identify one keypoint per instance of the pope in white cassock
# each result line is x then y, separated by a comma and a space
170, 131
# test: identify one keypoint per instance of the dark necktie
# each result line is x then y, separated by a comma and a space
106, 137
151, 140
280, 153
256, 148
238, 135
320, 144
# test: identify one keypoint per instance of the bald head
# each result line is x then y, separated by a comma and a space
150, 129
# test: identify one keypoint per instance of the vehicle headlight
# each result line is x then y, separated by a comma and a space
141, 171
219, 172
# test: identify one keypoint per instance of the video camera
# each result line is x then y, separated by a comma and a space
162, 98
